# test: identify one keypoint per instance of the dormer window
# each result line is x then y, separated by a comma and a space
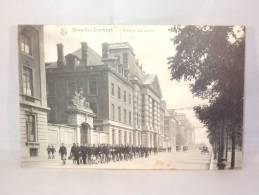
92, 87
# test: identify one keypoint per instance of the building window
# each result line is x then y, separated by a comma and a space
112, 89
119, 114
92, 88
51, 89
139, 139
93, 106
125, 137
113, 137
153, 113
125, 59
33, 152
119, 93
71, 88
113, 112
125, 116
124, 96
120, 137
31, 127
118, 59
27, 81
119, 68
143, 109
52, 116
129, 99
26, 45
130, 118
130, 138
61, 87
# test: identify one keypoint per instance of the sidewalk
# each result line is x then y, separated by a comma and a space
238, 161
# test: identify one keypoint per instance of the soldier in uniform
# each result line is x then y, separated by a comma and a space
77, 154
83, 153
73, 152
53, 151
107, 153
63, 153
49, 151
89, 154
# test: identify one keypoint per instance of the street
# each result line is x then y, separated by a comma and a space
190, 160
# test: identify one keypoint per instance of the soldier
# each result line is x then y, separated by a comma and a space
120, 152
116, 152
89, 154
146, 149
107, 153
98, 154
49, 151
77, 154
83, 153
63, 153
53, 151
94, 154
112, 151
72, 152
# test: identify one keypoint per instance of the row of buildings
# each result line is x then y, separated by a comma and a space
89, 98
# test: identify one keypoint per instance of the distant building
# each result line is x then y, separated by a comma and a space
125, 100
170, 129
33, 101
185, 131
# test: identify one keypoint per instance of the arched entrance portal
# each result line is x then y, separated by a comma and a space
84, 133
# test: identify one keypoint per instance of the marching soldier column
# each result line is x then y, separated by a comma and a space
96, 154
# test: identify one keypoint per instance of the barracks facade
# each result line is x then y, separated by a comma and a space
125, 100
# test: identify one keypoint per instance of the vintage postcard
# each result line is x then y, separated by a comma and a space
131, 96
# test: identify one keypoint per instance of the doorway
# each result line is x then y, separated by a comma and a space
84, 133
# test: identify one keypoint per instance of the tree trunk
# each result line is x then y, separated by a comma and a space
221, 164
215, 150
219, 156
226, 154
233, 151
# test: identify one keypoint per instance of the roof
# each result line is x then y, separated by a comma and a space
149, 79
121, 45
93, 58
152, 81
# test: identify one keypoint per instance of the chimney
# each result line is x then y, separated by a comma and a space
84, 48
105, 47
60, 53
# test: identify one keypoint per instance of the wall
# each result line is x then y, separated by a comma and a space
59, 133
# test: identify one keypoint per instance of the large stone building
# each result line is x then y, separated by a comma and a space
125, 100
33, 101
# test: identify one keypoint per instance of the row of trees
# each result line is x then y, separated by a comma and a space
211, 58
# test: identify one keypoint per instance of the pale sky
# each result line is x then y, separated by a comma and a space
152, 46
